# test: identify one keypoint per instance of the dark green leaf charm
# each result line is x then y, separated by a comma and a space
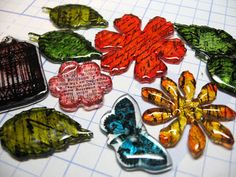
65, 45
222, 71
207, 41
75, 16
39, 132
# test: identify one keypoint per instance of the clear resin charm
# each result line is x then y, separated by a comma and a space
135, 148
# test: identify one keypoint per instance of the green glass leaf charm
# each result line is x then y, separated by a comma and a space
222, 71
206, 41
39, 132
65, 45
75, 16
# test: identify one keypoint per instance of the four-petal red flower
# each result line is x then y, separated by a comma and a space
148, 47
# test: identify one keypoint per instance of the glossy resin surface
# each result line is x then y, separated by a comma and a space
65, 45
39, 132
148, 48
22, 79
79, 85
184, 109
75, 16
135, 148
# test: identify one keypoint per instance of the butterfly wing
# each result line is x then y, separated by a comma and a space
124, 118
134, 147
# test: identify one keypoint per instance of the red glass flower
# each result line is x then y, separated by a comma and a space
80, 85
148, 47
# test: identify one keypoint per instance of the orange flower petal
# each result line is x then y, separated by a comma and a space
219, 112
156, 97
196, 140
170, 135
170, 87
207, 94
218, 133
187, 84
156, 116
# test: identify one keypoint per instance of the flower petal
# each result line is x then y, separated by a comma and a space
159, 28
207, 94
173, 52
218, 133
155, 116
69, 104
68, 66
104, 83
196, 140
128, 24
156, 97
56, 86
149, 68
170, 135
187, 84
170, 87
107, 40
115, 62
219, 112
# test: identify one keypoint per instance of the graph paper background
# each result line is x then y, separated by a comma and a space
94, 158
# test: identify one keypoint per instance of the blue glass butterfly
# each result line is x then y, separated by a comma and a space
135, 148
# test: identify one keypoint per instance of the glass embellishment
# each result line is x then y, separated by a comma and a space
148, 47
39, 132
206, 41
22, 80
80, 85
218, 48
75, 16
184, 109
135, 148
222, 71
65, 45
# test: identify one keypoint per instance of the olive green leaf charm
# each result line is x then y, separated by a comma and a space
65, 45
39, 132
75, 16
206, 41
222, 71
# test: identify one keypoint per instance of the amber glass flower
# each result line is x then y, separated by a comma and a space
184, 109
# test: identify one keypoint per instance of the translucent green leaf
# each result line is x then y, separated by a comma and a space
75, 16
65, 45
39, 132
206, 41
222, 71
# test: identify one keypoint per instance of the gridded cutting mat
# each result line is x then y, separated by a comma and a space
95, 158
